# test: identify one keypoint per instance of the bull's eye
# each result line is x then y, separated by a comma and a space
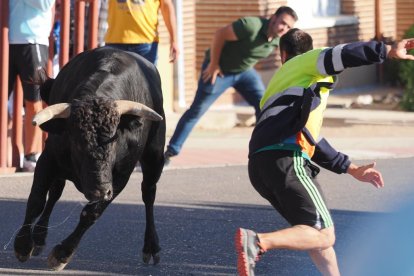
102, 141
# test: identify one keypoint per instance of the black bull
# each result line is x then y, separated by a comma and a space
105, 113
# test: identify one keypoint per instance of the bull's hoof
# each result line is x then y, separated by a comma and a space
156, 257
146, 258
37, 250
23, 248
59, 258
54, 263
23, 257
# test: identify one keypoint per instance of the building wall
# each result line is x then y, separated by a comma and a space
365, 12
168, 71
405, 16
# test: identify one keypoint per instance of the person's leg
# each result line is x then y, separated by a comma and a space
287, 181
147, 50
35, 61
318, 243
152, 54
32, 134
205, 96
298, 237
325, 261
249, 84
14, 55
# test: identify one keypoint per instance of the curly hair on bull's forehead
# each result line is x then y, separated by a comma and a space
96, 119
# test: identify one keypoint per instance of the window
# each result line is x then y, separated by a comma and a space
320, 13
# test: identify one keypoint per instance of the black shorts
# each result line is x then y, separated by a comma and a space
287, 181
27, 61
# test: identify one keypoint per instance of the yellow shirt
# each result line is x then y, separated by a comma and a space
132, 21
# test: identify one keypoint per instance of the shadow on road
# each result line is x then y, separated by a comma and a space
196, 239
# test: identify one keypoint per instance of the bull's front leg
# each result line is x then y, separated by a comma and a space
152, 163
23, 243
151, 242
40, 230
63, 252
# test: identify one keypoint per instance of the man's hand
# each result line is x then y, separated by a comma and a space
367, 173
174, 52
399, 50
211, 72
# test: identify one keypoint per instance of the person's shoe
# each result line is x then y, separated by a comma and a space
248, 251
29, 162
167, 158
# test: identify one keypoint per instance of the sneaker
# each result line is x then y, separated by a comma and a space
29, 162
248, 251
167, 157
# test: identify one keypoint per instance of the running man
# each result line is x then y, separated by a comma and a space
285, 144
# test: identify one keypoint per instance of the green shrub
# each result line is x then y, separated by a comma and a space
406, 75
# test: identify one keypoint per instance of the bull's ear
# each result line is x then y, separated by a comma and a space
45, 89
54, 126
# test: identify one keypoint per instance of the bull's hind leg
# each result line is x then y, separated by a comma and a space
40, 230
23, 243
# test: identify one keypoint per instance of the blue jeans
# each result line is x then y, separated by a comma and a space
247, 83
148, 50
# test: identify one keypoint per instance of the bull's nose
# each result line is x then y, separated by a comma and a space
99, 195
108, 195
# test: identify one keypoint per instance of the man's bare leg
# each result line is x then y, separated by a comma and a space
32, 135
325, 261
318, 243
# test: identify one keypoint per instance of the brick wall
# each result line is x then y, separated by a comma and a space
365, 11
405, 16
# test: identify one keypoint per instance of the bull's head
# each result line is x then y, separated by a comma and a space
92, 131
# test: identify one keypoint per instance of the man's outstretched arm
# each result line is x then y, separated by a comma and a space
327, 157
333, 61
399, 50
366, 173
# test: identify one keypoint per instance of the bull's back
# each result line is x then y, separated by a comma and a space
111, 73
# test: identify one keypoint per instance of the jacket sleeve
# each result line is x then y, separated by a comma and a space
332, 61
327, 157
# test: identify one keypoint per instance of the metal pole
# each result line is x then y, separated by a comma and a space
180, 61
379, 36
4, 80
93, 24
64, 32
79, 39
17, 130
378, 20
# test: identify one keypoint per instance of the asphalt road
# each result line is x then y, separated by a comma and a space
197, 212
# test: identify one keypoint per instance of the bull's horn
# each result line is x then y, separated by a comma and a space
61, 110
137, 109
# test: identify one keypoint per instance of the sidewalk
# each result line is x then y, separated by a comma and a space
360, 133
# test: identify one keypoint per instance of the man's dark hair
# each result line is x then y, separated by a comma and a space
288, 10
295, 42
